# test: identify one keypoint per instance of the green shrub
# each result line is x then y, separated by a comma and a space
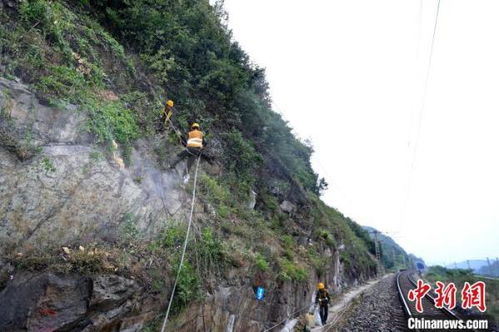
269, 202
288, 254
223, 211
210, 187
217, 194
362, 234
291, 271
210, 250
261, 263
77, 43
110, 120
345, 257
288, 244
327, 238
129, 228
173, 236
319, 262
187, 286
48, 165
35, 11
51, 18
61, 82
241, 159
288, 241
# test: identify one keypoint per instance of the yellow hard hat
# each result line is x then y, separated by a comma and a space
195, 125
320, 285
169, 103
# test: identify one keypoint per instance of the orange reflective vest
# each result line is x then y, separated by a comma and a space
195, 139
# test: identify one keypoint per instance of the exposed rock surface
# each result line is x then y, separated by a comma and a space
235, 306
69, 190
26, 124
58, 188
252, 200
49, 302
287, 206
9, 3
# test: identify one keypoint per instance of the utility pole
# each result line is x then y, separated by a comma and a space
377, 251
377, 248
468, 261
490, 268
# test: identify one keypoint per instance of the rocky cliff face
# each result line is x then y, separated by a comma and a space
55, 184
90, 231
50, 302
57, 188
233, 307
72, 302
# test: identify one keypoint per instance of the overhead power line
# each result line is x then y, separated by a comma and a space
422, 107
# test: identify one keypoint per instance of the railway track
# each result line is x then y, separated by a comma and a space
405, 282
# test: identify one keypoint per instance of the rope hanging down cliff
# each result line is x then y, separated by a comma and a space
185, 245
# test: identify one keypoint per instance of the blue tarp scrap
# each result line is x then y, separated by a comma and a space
260, 293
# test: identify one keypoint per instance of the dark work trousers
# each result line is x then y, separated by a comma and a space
323, 311
191, 154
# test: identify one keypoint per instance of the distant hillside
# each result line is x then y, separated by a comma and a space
474, 264
393, 256
479, 266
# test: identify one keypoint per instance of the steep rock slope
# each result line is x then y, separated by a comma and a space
90, 230
68, 191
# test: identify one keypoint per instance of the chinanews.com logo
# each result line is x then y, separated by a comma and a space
472, 296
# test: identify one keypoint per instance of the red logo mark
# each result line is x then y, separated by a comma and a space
474, 296
445, 295
418, 294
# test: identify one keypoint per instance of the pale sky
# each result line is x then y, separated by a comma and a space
349, 75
